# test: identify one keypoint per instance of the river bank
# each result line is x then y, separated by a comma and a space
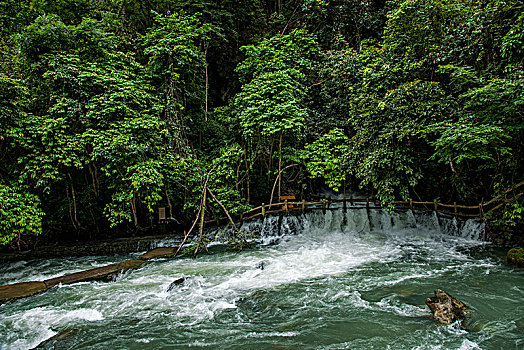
120, 246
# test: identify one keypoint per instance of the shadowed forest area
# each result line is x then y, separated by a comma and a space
110, 109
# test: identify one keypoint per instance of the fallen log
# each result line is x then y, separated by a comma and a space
104, 273
20, 290
162, 252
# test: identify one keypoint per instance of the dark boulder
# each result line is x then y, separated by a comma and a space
446, 309
176, 283
262, 264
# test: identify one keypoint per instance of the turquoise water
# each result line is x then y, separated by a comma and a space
327, 282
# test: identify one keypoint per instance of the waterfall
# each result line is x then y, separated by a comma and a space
363, 220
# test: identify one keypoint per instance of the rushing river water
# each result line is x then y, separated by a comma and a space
334, 281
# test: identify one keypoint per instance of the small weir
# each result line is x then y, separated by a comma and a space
341, 279
364, 219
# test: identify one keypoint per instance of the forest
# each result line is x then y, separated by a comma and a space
110, 109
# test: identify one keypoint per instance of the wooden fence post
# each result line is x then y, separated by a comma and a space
303, 206
285, 205
263, 210
411, 204
481, 211
455, 206
435, 204
324, 206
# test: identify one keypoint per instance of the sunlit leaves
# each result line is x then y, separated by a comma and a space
172, 45
460, 141
20, 214
270, 103
327, 158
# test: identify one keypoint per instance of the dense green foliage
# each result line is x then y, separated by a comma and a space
111, 109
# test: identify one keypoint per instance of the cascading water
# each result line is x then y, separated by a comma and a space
353, 280
362, 220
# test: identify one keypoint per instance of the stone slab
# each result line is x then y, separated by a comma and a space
20, 290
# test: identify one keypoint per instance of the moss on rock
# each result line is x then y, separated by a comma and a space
516, 257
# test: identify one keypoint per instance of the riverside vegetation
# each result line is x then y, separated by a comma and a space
111, 109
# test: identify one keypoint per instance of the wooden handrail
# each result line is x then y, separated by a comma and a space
459, 206
323, 204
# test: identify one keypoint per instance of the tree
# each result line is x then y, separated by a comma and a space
93, 112
20, 214
270, 109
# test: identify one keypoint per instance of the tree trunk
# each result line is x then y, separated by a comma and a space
201, 226
74, 202
133, 209
169, 205
279, 165
207, 79
247, 169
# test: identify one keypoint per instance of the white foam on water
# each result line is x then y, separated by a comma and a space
387, 304
469, 345
37, 324
270, 334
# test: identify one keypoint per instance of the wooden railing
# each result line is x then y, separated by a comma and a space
324, 204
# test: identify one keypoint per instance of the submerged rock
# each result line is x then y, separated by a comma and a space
262, 264
516, 257
176, 283
446, 309
59, 340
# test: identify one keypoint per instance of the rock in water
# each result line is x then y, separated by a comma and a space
516, 257
61, 340
446, 308
262, 264
175, 283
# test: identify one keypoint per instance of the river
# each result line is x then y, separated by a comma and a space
333, 281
